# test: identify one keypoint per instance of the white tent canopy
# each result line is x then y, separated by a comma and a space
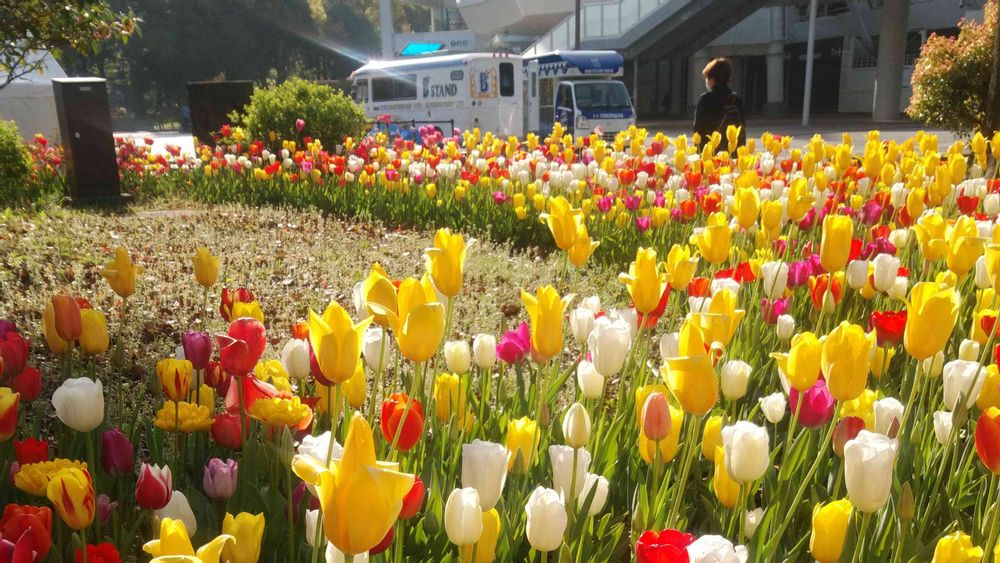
30, 102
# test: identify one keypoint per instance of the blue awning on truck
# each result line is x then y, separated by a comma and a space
559, 63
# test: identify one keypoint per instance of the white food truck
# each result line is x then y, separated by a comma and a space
503, 93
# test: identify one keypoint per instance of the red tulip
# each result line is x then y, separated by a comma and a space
888, 326
649, 320
668, 546
101, 553
817, 289
154, 487
240, 349
31, 524
8, 414
243, 295
392, 415
28, 384
14, 350
988, 439
226, 431
847, 429
414, 500
253, 389
31, 451
384, 544
216, 377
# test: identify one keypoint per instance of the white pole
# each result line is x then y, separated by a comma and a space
635, 84
810, 53
385, 25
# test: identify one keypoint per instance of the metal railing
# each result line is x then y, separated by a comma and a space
405, 127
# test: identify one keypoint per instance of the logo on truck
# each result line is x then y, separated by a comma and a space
483, 83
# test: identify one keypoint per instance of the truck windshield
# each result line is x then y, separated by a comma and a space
602, 96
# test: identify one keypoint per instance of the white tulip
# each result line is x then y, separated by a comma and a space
591, 383
295, 359
669, 345
318, 447
576, 426
886, 270
991, 205
358, 298
562, 469
735, 376
334, 555
885, 411
719, 284
312, 516
900, 238
699, 304
899, 288
484, 468
631, 318
178, 508
775, 279
942, 426
463, 517
933, 366
457, 356
747, 451
773, 406
581, 322
785, 327
712, 549
484, 350
609, 343
968, 350
593, 303
79, 403
983, 280
752, 520
547, 520
597, 484
857, 274
868, 464
376, 348
961, 379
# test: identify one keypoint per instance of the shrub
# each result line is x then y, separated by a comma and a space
329, 114
15, 163
951, 77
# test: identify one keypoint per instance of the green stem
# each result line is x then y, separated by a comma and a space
690, 439
859, 544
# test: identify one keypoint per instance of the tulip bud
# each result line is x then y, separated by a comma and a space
857, 274
886, 268
178, 508
785, 327
868, 463
154, 487
581, 322
546, 520
484, 350
219, 480
735, 376
295, 359
576, 426
656, 417
933, 366
591, 383
847, 429
463, 517
484, 468
105, 507
117, 453
773, 406
457, 356
942, 426
752, 520
887, 410
747, 451
968, 350
598, 486
906, 505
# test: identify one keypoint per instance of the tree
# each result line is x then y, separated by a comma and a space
37, 26
950, 85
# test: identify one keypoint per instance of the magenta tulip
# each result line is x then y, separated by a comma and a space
817, 404
197, 348
117, 453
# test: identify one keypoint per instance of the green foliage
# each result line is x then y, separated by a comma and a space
15, 163
329, 114
951, 77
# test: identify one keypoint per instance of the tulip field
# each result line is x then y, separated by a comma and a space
475, 349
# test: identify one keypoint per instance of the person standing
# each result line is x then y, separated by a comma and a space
719, 107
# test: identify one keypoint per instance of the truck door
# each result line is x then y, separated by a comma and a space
564, 106
531, 106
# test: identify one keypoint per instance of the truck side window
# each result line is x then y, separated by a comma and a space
506, 79
565, 99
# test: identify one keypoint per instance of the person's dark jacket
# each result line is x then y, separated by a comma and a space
709, 115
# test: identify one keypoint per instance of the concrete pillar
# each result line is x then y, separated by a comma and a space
385, 28
891, 57
775, 78
677, 101
696, 83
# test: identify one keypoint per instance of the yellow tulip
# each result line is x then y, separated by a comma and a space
356, 388
746, 206
94, 336
802, 362
486, 548
336, 342
71, 492
667, 446
184, 416
931, 314
881, 360
379, 294
247, 530
711, 437
713, 242
846, 360
34, 478
449, 397
280, 411
121, 273
562, 221
770, 218
545, 309
835, 247
418, 322
174, 541
645, 280
680, 266
720, 322
800, 200
175, 377
690, 376
445, 261
643, 393
726, 490
930, 232
957, 548
356, 480
206, 267
829, 530
862, 407
583, 248
989, 395
55, 342
249, 309
964, 245
522, 443
993, 263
